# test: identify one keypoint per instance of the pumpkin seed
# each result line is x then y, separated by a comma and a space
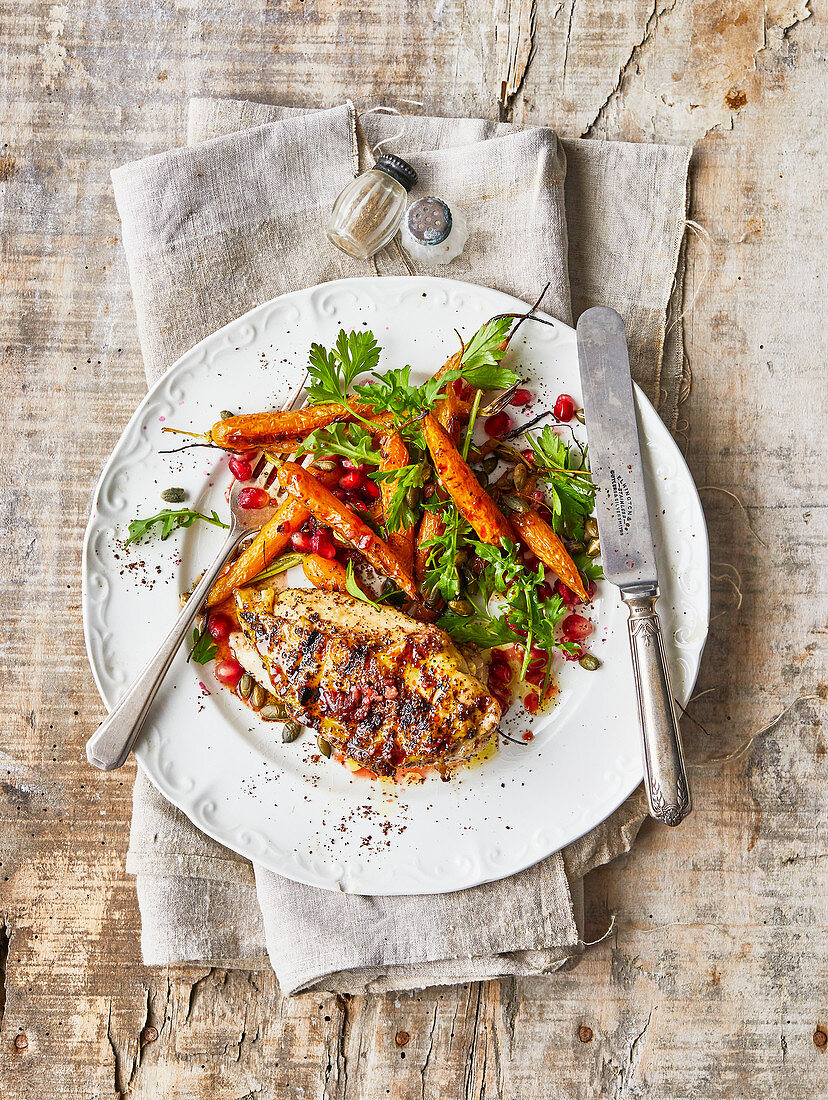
509, 453
245, 686
489, 463
482, 478
412, 497
272, 714
575, 546
174, 496
225, 414
326, 464
516, 504
323, 745
589, 662
462, 607
580, 416
275, 703
593, 548
461, 556
591, 528
258, 697
290, 731
519, 477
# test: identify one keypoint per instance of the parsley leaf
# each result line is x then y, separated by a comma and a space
571, 490
332, 372
393, 392
484, 631
203, 648
588, 567
399, 514
349, 440
480, 365
169, 520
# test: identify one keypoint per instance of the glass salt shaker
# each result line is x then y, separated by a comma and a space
432, 233
368, 211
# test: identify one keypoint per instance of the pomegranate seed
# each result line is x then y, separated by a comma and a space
591, 589
229, 672
371, 490
241, 469
531, 702
545, 591
529, 559
349, 464
500, 672
567, 595
352, 480
536, 676
321, 544
340, 494
498, 424
564, 408
301, 542
575, 628
219, 628
253, 497
538, 654
528, 454
521, 397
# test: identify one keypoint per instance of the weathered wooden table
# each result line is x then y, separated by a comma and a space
715, 981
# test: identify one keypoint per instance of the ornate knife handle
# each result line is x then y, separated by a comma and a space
665, 775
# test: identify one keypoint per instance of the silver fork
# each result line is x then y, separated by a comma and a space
112, 742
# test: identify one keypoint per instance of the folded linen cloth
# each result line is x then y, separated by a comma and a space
238, 217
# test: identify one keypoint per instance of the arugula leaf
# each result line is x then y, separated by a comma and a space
203, 649
353, 587
571, 490
332, 372
349, 440
441, 574
393, 392
399, 514
280, 565
169, 520
484, 631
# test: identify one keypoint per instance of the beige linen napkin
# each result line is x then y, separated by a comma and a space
238, 217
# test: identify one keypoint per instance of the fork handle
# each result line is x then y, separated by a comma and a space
110, 744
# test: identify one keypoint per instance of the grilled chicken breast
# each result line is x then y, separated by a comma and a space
387, 691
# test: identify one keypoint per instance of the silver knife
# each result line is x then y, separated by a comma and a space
627, 549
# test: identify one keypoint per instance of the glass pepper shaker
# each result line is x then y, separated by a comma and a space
368, 211
432, 233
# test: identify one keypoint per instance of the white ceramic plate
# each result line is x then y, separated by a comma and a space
301, 815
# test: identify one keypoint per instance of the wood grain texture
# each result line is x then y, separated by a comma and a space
714, 981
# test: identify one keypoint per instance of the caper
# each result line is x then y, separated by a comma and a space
412, 497
589, 662
174, 496
326, 464
591, 528
290, 731
323, 745
489, 463
462, 607
258, 697
245, 686
519, 477
575, 546
516, 504
225, 414
593, 548
580, 416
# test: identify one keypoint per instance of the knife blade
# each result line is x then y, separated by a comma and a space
627, 552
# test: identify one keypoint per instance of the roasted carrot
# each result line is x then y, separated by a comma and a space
304, 487
331, 576
431, 526
473, 502
249, 429
536, 533
270, 541
394, 455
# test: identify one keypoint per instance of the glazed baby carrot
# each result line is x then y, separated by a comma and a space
431, 527
268, 543
394, 455
240, 432
473, 502
325, 507
536, 533
329, 575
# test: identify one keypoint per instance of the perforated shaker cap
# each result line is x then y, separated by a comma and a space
397, 169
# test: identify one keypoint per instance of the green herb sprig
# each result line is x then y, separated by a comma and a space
571, 489
203, 647
170, 520
332, 372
